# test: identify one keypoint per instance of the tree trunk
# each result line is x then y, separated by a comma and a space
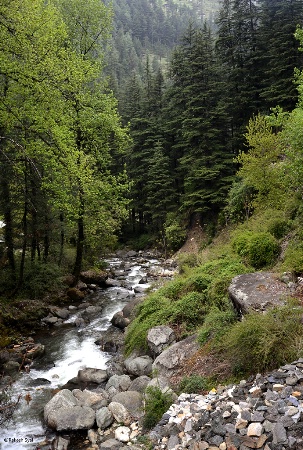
80, 241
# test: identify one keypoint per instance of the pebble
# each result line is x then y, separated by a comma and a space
264, 413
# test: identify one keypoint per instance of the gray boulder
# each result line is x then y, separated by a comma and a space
258, 291
171, 359
104, 418
119, 382
139, 365
90, 375
159, 338
64, 412
130, 307
119, 321
139, 384
94, 400
132, 401
112, 444
120, 413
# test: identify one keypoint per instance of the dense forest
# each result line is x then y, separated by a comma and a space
188, 122
137, 117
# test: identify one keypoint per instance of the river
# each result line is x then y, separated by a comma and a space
68, 349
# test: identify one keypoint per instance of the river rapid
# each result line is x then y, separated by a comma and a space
69, 349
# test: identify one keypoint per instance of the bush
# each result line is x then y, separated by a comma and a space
264, 342
40, 278
156, 404
293, 257
184, 302
278, 228
257, 249
216, 324
195, 384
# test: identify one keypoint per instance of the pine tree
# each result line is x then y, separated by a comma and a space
279, 53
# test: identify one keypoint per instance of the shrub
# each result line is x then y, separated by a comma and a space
156, 404
195, 384
293, 257
40, 278
264, 342
278, 228
257, 249
186, 261
216, 324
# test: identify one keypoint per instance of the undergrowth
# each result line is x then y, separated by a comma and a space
261, 342
185, 302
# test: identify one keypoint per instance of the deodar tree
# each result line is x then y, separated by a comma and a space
59, 127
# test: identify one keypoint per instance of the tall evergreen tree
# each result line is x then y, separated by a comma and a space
205, 164
279, 53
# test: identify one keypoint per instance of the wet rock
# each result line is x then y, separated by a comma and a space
119, 321
94, 277
159, 338
91, 375
91, 312
75, 294
11, 367
110, 282
62, 313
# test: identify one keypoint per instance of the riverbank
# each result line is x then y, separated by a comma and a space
79, 339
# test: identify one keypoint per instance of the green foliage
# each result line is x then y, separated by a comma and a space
217, 322
156, 404
293, 257
40, 279
279, 227
257, 249
263, 342
175, 234
240, 202
186, 261
184, 302
195, 384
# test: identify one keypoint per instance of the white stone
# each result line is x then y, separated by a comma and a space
255, 429
122, 434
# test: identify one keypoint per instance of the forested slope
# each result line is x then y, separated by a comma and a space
188, 120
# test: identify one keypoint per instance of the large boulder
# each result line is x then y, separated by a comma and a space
119, 321
258, 291
90, 375
170, 360
104, 418
119, 382
139, 365
64, 412
159, 338
139, 384
94, 400
132, 401
130, 308
94, 277
120, 413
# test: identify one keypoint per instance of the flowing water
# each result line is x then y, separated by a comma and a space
68, 349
